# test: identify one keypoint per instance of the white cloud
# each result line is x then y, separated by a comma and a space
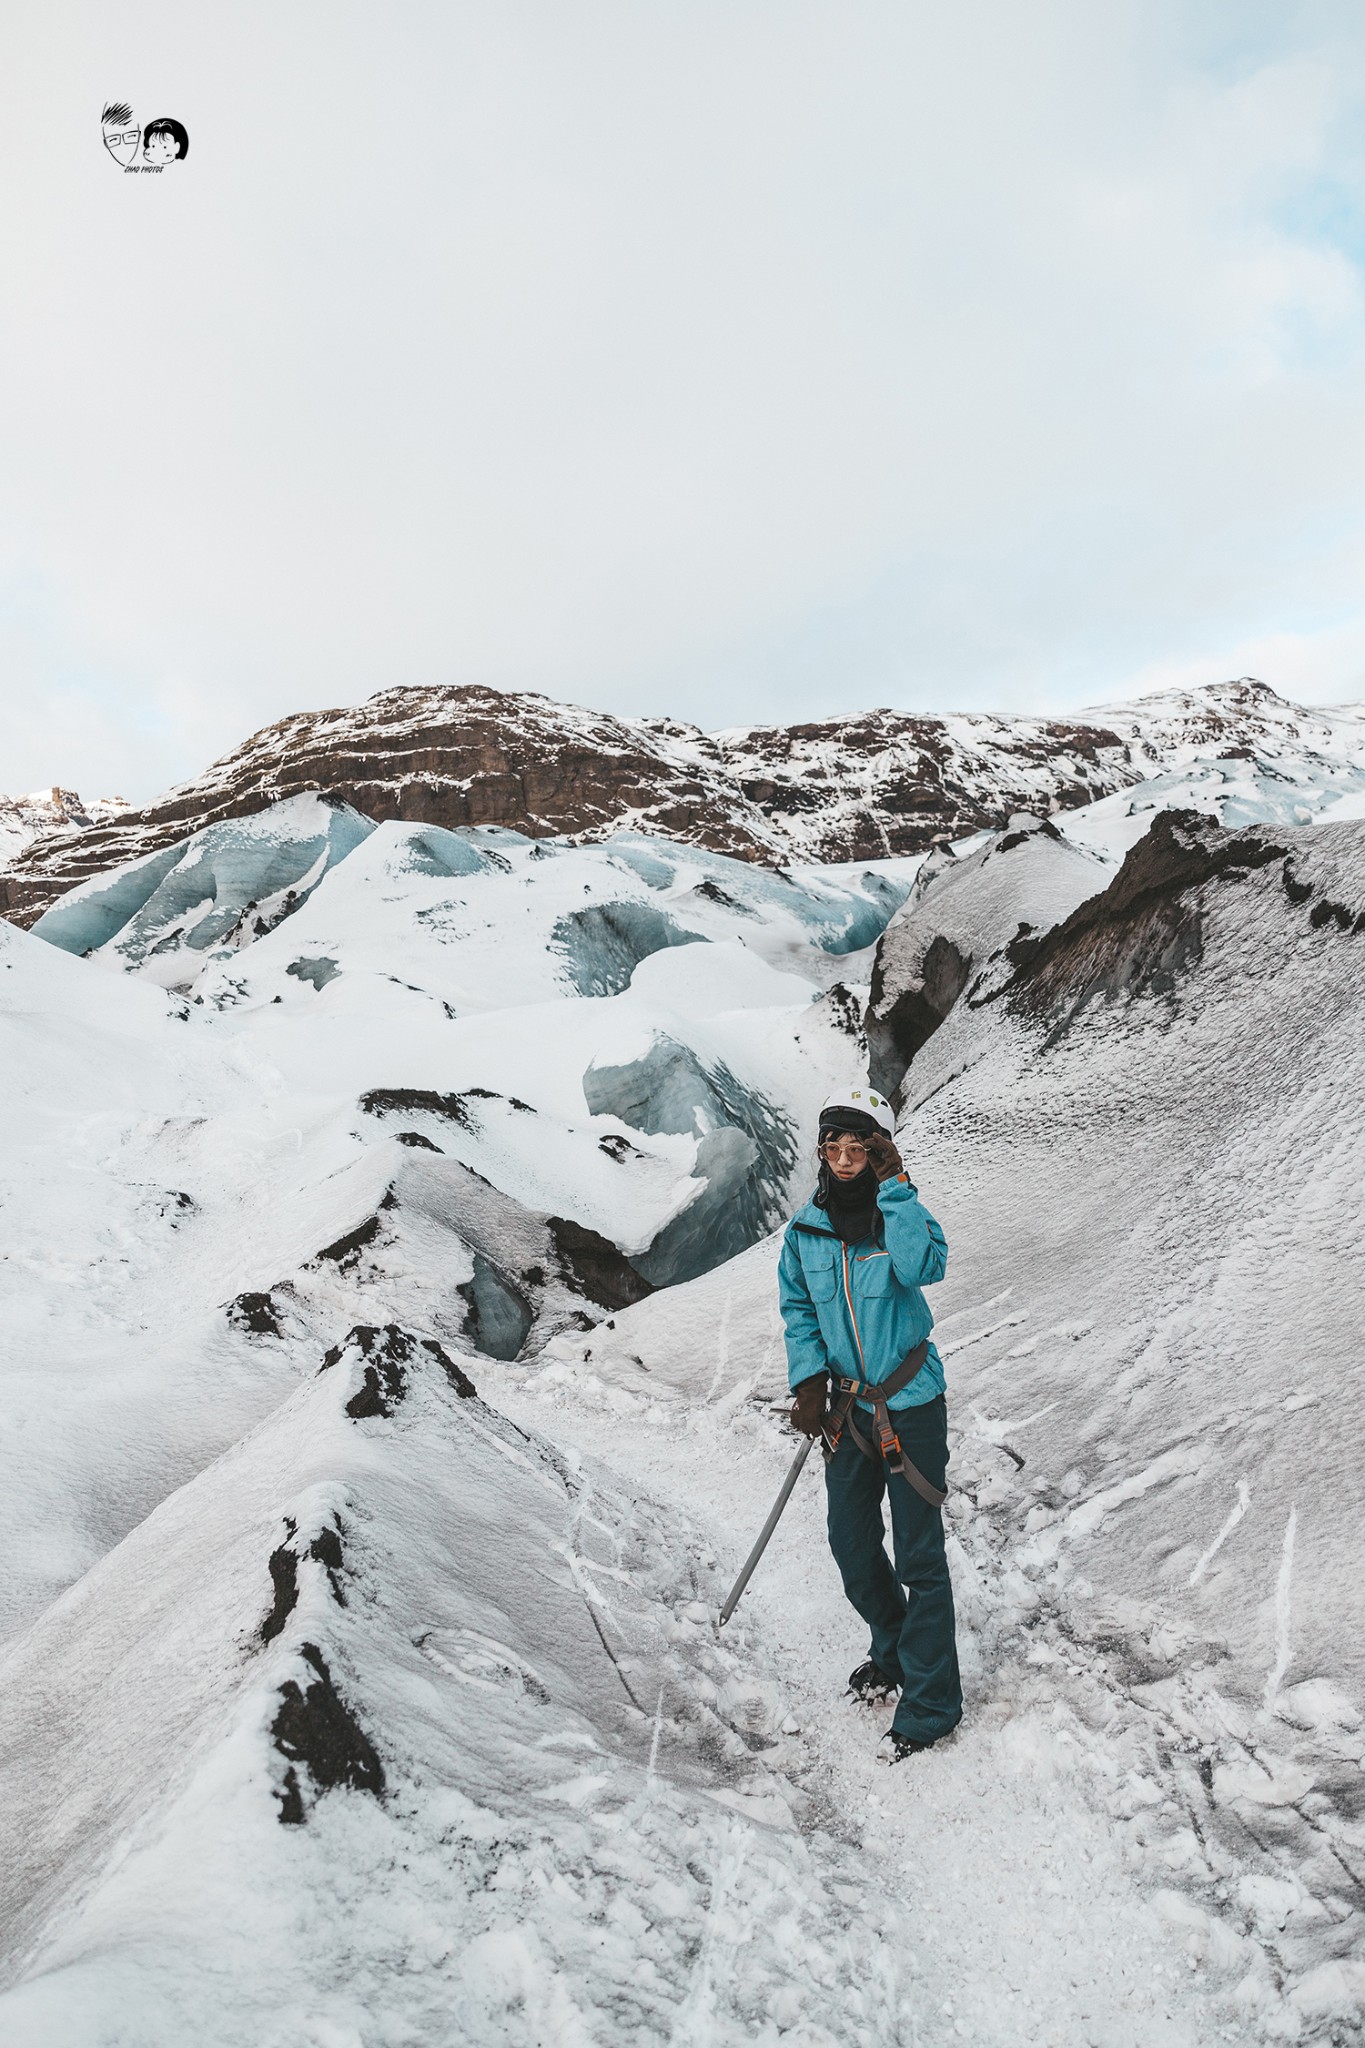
743, 360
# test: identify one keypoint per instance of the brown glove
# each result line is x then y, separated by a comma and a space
883, 1156
810, 1405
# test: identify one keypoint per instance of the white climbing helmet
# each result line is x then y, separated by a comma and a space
864, 1099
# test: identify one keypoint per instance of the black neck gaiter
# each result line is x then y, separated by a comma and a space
851, 1205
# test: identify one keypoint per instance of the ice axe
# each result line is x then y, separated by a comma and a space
773, 1519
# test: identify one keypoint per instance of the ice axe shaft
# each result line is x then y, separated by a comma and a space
773, 1519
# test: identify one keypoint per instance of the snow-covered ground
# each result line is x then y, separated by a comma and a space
407, 1722
345, 1704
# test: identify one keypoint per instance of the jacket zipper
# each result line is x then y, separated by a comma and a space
848, 1297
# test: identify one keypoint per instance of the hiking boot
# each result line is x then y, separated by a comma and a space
871, 1684
894, 1748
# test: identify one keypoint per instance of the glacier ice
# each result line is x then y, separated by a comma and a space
435, 851
644, 858
225, 886
666, 1090
843, 908
1258, 788
745, 1154
499, 1315
604, 943
319, 971
88, 916
862, 918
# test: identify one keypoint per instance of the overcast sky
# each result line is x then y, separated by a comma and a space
738, 360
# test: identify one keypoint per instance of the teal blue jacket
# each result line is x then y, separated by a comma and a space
858, 1309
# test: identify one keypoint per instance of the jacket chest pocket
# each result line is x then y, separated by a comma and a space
872, 1274
822, 1278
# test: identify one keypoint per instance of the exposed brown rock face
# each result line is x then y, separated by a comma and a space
887, 782
1140, 933
448, 757
859, 788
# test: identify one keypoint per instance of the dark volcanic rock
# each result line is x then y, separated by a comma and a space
284, 1578
381, 1101
883, 782
1146, 927
315, 1728
347, 1250
256, 1314
896, 1031
594, 1267
386, 1355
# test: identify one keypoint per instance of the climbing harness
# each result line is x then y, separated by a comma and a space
843, 1411
848, 1392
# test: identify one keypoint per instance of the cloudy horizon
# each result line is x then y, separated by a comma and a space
744, 363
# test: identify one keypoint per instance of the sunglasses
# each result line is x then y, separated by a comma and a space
836, 1142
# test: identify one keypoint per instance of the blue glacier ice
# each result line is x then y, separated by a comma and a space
745, 1154
88, 916
844, 912
435, 851
498, 1315
603, 944
227, 884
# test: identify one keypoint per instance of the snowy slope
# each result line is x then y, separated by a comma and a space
1149, 1154
412, 1099
470, 1106
1256, 789
1241, 720
951, 936
1169, 1172
1236, 753
399, 1723
1146, 1157
115, 1257
388, 1630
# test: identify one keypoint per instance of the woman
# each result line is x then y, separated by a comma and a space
853, 1263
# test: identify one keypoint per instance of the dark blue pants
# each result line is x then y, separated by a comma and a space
913, 1632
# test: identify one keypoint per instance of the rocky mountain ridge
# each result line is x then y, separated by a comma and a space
46, 811
865, 787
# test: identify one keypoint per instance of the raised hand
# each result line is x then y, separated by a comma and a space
883, 1157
